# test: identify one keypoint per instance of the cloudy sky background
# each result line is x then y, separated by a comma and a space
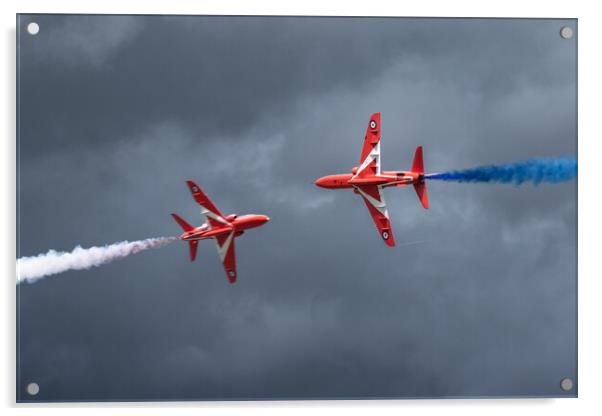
478, 299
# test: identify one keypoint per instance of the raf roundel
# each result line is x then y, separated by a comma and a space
385, 235
195, 189
372, 124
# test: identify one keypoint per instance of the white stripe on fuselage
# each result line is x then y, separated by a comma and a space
203, 228
407, 180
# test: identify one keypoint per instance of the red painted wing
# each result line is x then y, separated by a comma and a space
225, 248
372, 196
208, 209
370, 156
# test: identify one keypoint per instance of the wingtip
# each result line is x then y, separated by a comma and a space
388, 238
193, 187
374, 122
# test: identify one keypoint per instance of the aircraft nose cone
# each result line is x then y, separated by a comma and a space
266, 218
320, 182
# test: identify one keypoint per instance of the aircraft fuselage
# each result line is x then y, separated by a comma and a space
236, 223
385, 179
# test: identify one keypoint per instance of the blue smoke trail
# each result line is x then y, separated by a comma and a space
546, 170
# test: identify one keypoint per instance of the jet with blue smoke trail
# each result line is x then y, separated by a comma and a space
368, 180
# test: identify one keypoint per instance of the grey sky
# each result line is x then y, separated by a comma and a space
117, 112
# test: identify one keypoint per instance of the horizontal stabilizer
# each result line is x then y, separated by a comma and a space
420, 188
185, 226
193, 245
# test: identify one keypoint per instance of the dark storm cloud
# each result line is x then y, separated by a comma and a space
88, 41
218, 75
255, 110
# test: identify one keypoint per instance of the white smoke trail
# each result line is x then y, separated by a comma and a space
33, 268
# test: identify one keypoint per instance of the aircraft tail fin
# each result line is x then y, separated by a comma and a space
420, 186
193, 244
185, 226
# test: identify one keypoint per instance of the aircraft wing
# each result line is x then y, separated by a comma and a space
208, 209
370, 157
225, 248
372, 196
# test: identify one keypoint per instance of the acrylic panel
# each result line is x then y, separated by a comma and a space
278, 207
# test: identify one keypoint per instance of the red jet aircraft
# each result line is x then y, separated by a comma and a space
223, 228
368, 180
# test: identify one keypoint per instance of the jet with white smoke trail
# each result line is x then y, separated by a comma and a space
224, 229
30, 269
